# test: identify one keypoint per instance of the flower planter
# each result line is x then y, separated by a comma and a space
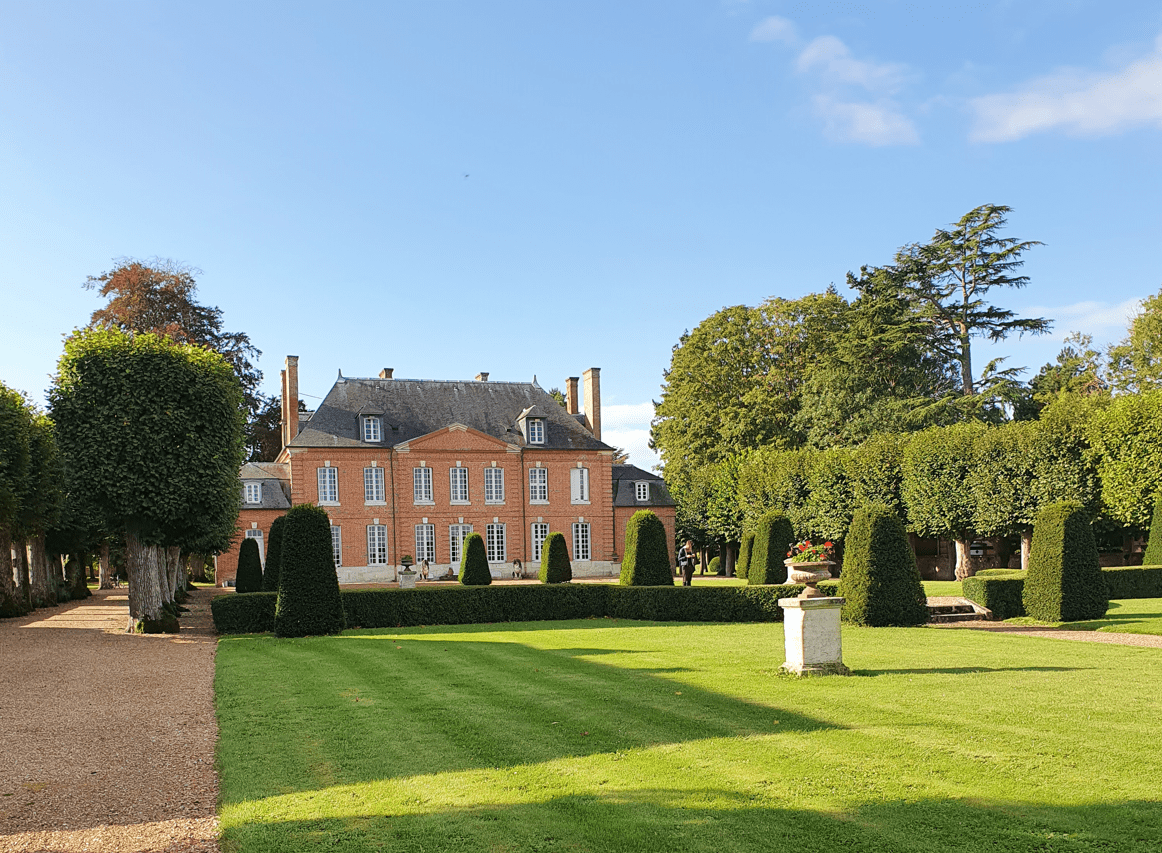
809, 574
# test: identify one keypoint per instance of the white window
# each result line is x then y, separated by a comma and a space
643, 491
456, 534
579, 485
425, 543
372, 428
422, 485
376, 544
254, 493
540, 531
494, 541
328, 485
337, 544
538, 485
257, 534
580, 541
536, 431
458, 478
373, 485
494, 485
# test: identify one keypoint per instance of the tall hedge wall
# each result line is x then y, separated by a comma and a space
772, 540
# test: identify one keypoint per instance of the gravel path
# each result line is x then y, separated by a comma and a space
107, 738
1148, 641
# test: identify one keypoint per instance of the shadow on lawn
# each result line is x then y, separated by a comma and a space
970, 670
721, 821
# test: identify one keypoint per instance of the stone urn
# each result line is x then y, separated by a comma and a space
407, 579
809, 574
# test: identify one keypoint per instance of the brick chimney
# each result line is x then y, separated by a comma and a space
482, 377
571, 395
290, 399
592, 378
386, 373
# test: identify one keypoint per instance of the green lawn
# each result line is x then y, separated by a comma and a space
1127, 616
933, 588
605, 735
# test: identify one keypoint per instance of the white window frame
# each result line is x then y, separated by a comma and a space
495, 543
581, 543
337, 544
641, 491
494, 485
253, 493
373, 491
425, 543
456, 534
372, 429
458, 491
328, 486
422, 485
377, 544
579, 485
536, 427
538, 485
255, 533
540, 532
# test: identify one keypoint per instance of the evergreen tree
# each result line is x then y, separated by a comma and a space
555, 565
744, 554
646, 561
474, 569
273, 555
880, 580
249, 576
309, 602
773, 538
1064, 582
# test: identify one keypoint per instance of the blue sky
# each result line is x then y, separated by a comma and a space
537, 188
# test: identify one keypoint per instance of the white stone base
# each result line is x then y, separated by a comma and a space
811, 636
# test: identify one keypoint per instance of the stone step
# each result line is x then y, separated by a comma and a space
945, 609
950, 608
946, 618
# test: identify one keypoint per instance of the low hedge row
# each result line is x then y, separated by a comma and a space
1002, 593
401, 608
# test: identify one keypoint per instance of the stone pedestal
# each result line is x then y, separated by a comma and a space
407, 580
811, 636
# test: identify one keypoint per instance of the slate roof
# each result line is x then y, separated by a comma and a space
625, 492
414, 407
275, 480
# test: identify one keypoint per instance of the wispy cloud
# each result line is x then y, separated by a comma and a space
1105, 321
832, 60
628, 426
775, 28
880, 123
1079, 102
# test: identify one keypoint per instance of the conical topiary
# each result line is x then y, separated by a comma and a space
1153, 555
1064, 582
273, 555
744, 553
555, 565
880, 580
773, 537
646, 561
474, 562
308, 585
249, 576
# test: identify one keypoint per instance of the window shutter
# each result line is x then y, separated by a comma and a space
575, 484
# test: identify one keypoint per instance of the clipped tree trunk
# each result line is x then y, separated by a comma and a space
23, 585
145, 565
964, 566
106, 573
42, 594
75, 574
728, 558
1026, 547
173, 564
11, 604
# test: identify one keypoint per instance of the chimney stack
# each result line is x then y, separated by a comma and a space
290, 400
386, 373
592, 378
571, 395
481, 377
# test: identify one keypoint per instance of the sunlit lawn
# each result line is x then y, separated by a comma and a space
937, 588
1127, 616
621, 736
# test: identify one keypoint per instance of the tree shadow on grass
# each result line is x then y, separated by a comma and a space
714, 820
968, 670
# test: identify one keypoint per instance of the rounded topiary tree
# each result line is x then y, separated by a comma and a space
1153, 555
1064, 581
744, 553
880, 580
474, 562
646, 561
716, 567
773, 537
273, 555
249, 576
308, 585
555, 565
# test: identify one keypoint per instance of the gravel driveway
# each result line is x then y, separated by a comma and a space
107, 739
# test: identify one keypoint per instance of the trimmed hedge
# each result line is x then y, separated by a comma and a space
716, 567
880, 580
555, 565
249, 575
273, 555
474, 562
1064, 581
646, 561
1134, 581
744, 553
401, 608
999, 593
1153, 555
773, 538
308, 585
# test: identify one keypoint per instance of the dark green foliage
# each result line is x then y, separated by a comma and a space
716, 566
249, 577
773, 538
880, 580
744, 553
555, 565
308, 585
474, 562
1064, 582
647, 560
1134, 581
273, 555
999, 593
1153, 555
398, 608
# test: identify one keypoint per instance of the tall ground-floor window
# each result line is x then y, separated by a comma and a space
456, 534
580, 541
540, 531
337, 544
494, 541
377, 544
425, 543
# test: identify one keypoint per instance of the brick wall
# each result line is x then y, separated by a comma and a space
261, 519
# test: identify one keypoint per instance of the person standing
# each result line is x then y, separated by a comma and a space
686, 561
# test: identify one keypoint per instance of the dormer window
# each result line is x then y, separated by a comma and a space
254, 493
372, 428
643, 491
536, 428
